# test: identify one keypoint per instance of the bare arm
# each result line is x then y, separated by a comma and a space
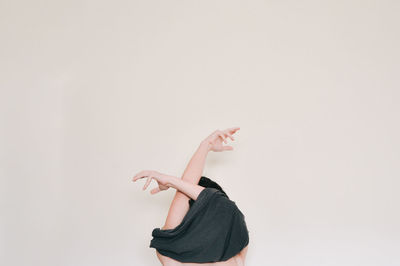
194, 168
194, 171
166, 181
213, 142
189, 189
192, 174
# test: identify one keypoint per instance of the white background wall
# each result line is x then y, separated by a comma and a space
94, 91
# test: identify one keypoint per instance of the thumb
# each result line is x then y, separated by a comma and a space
155, 190
227, 148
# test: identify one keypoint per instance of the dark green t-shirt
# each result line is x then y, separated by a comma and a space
214, 229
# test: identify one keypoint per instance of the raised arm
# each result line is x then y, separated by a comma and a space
192, 174
213, 142
195, 167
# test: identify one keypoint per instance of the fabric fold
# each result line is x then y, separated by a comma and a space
214, 229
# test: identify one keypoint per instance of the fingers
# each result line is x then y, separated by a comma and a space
155, 190
233, 130
150, 176
230, 136
227, 148
147, 182
141, 174
227, 133
138, 176
222, 135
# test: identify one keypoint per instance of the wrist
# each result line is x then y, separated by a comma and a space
205, 144
170, 181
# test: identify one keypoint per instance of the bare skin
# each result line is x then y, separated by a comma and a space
187, 187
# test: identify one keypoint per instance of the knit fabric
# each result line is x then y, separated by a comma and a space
214, 229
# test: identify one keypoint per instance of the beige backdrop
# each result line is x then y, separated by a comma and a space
94, 91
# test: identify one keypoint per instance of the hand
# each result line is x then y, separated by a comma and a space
214, 141
161, 179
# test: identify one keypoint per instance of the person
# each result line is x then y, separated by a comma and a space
203, 226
